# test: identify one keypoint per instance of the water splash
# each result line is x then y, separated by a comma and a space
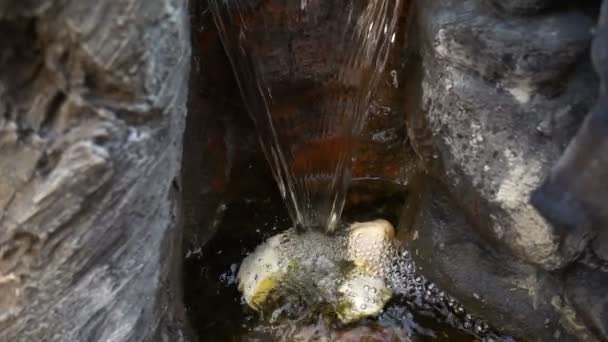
320, 281
306, 70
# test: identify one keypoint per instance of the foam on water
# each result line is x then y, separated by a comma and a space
323, 277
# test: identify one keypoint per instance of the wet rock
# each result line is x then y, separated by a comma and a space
372, 334
220, 144
222, 154
573, 199
92, 110
515, 298
493, 107
522, 6
486, 88
573, 195
520, 54
600, 245
586, 291
310, 265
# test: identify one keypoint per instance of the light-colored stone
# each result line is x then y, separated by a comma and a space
310, 265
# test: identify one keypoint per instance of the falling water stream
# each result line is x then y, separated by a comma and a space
306, 70
419, 312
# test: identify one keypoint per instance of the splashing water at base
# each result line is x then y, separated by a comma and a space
350, 276
418, 311
306, 70
344, 273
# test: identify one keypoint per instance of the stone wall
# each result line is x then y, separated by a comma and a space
92, 111
493, 96
500, 89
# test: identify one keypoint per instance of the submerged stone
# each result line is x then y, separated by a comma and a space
362, 296
261, 272
345, 272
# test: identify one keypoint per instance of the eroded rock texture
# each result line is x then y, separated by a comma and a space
92, 109
573, 198
500, 89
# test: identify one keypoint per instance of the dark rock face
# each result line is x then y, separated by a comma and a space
92, 111
522, 7
586, 292
573, 196
515, 297
573, 199
499, 90
487, 87
219, 136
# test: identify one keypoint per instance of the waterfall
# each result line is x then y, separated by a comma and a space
306, 70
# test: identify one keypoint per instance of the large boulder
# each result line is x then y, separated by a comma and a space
92, 111
499, 95
498, 90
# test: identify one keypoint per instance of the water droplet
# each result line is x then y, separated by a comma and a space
481, 327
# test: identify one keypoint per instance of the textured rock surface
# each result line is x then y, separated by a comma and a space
573, 196
516, 298
498, 90
586, 291
521, 6
487, 90
219, 136
92, 109
573, 199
